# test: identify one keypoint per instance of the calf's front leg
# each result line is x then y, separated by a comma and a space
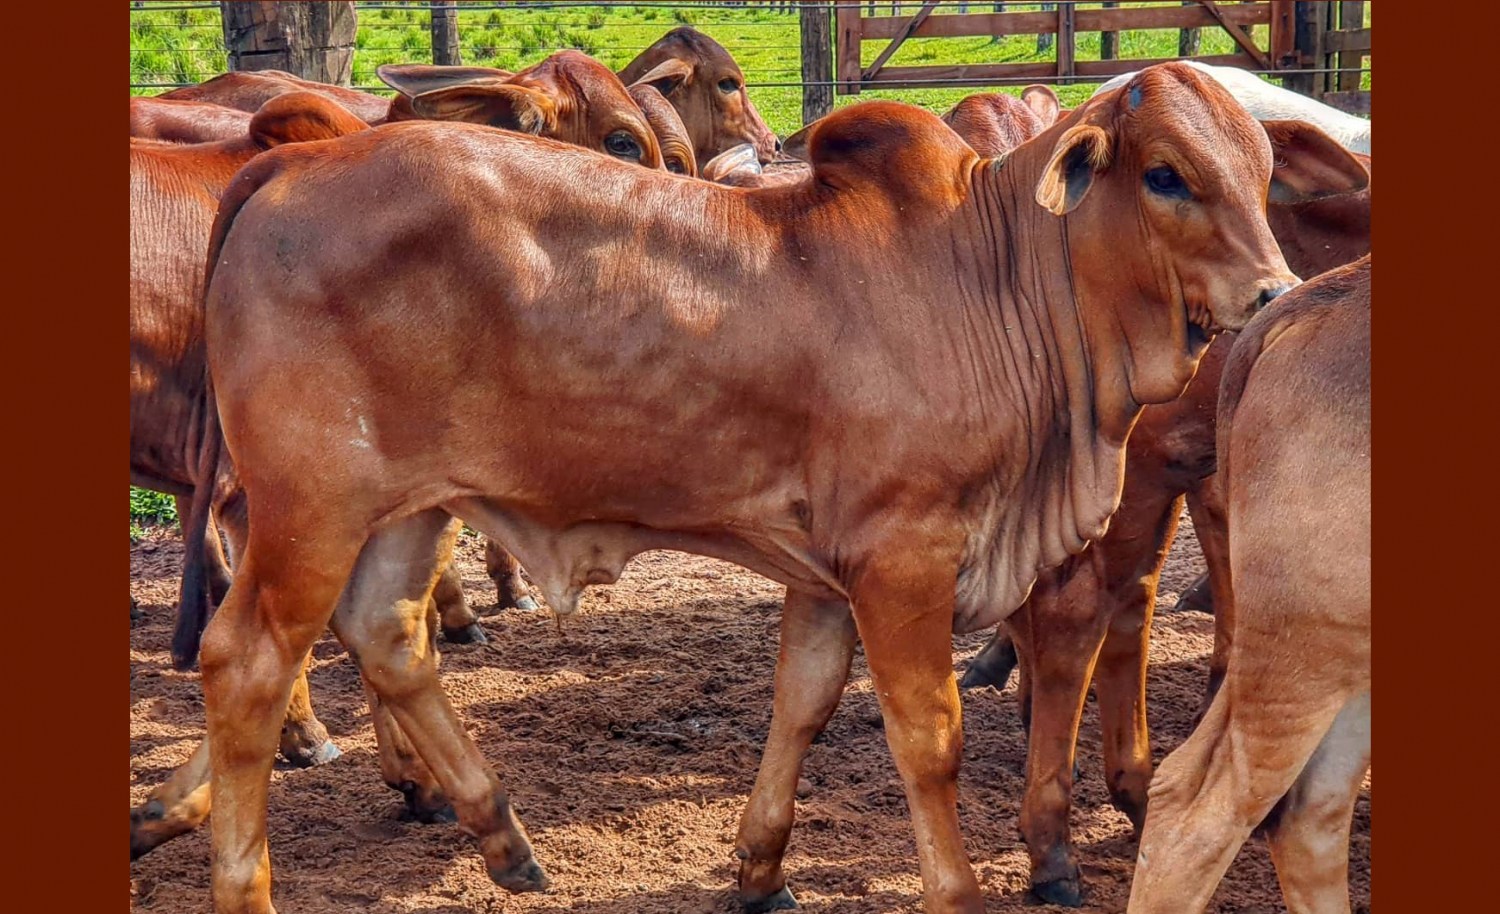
903, 607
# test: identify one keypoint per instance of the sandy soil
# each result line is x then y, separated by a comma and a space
629, 741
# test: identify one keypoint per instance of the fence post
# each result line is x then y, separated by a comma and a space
1309, 24
1045, 40
817, 60
1351, 16
1189, 41
1109, 42
1066, 48
445, 34
846, 16
311, 40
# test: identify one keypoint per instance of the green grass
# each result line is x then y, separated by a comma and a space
185, 45
149, 509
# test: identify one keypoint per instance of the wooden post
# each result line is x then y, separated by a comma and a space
1044, 40
1109, 42
445, 34
311, 40
1065, 43
817, 61
1283, 34
846, 18
1351, 16
1189, 41
1307, 42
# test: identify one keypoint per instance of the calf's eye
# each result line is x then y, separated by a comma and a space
1164, 180
622, 145
728, 86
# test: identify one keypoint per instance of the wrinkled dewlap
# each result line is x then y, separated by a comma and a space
629, 743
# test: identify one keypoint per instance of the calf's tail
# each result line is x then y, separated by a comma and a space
196, 601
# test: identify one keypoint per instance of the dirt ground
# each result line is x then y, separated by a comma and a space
629, 742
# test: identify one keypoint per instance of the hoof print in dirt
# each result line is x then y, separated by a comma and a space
469, 634
781, 901
523, 877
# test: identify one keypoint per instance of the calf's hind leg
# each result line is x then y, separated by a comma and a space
505, 571
817, 645
383, 621
1309, 830
1215, 788
183, 802
304, 739
293, 568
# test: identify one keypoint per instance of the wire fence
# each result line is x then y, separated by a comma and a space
175, 44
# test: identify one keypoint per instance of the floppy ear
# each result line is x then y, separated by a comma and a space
667, 76
796, 144
415, 78
739, 166
1081, 153
299, 117
1310, 164
494, 104
1043, 101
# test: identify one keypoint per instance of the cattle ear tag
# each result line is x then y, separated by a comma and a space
796, 144
666, 76
1081, 153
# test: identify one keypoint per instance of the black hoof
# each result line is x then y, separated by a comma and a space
781, 901
526, 876
427, 809
1066, 892
527, 605
312, 758
469, 634
977, 678
141, 842
136, 613
442, 815
1198, 598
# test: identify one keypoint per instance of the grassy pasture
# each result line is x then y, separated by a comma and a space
184, 44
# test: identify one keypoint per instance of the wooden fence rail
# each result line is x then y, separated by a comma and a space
1327, 39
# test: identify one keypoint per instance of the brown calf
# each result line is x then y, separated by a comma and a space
703, 82
1285, 743
1084, 627
895, 452
247, 90
180, 121
568, 96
